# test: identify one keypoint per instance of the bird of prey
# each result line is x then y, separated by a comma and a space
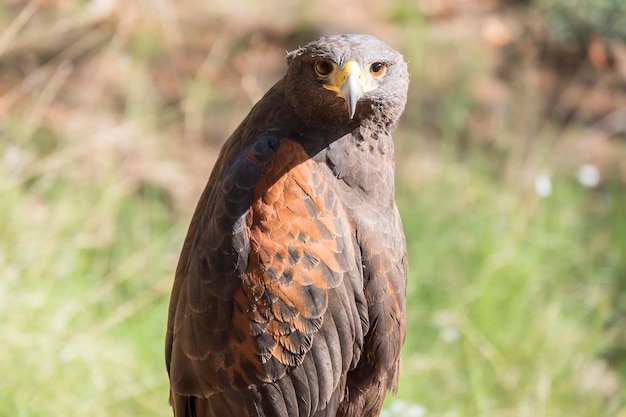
289, 295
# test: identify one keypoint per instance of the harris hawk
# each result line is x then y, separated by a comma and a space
289, 295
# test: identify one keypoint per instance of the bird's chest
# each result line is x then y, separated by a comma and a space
365, 165
362, 172
363, 181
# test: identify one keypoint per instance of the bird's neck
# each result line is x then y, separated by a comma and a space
364, 161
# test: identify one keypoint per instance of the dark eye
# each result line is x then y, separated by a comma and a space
323, 68
378, 69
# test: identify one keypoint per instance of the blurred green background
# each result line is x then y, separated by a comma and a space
511, 181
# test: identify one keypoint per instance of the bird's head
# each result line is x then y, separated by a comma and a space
344, 79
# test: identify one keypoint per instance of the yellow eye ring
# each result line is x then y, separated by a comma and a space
378, 69
323, 68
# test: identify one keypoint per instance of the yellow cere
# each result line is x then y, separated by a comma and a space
338, 78
351, 67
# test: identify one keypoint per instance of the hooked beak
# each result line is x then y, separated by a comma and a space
351, 84
351, 91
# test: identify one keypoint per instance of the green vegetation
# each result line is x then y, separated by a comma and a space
510, 295
517, 302
86, 266
578, 20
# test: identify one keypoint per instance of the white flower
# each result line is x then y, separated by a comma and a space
13, 157
543, 185
399, 408
449, 334
588, 175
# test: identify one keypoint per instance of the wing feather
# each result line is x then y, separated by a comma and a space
263, 301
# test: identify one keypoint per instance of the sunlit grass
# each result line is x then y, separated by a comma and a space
86, 269
509, 297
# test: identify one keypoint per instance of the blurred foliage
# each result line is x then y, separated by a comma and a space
508, 289
578, 20
112, 113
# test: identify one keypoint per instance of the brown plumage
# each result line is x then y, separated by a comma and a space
289, 296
